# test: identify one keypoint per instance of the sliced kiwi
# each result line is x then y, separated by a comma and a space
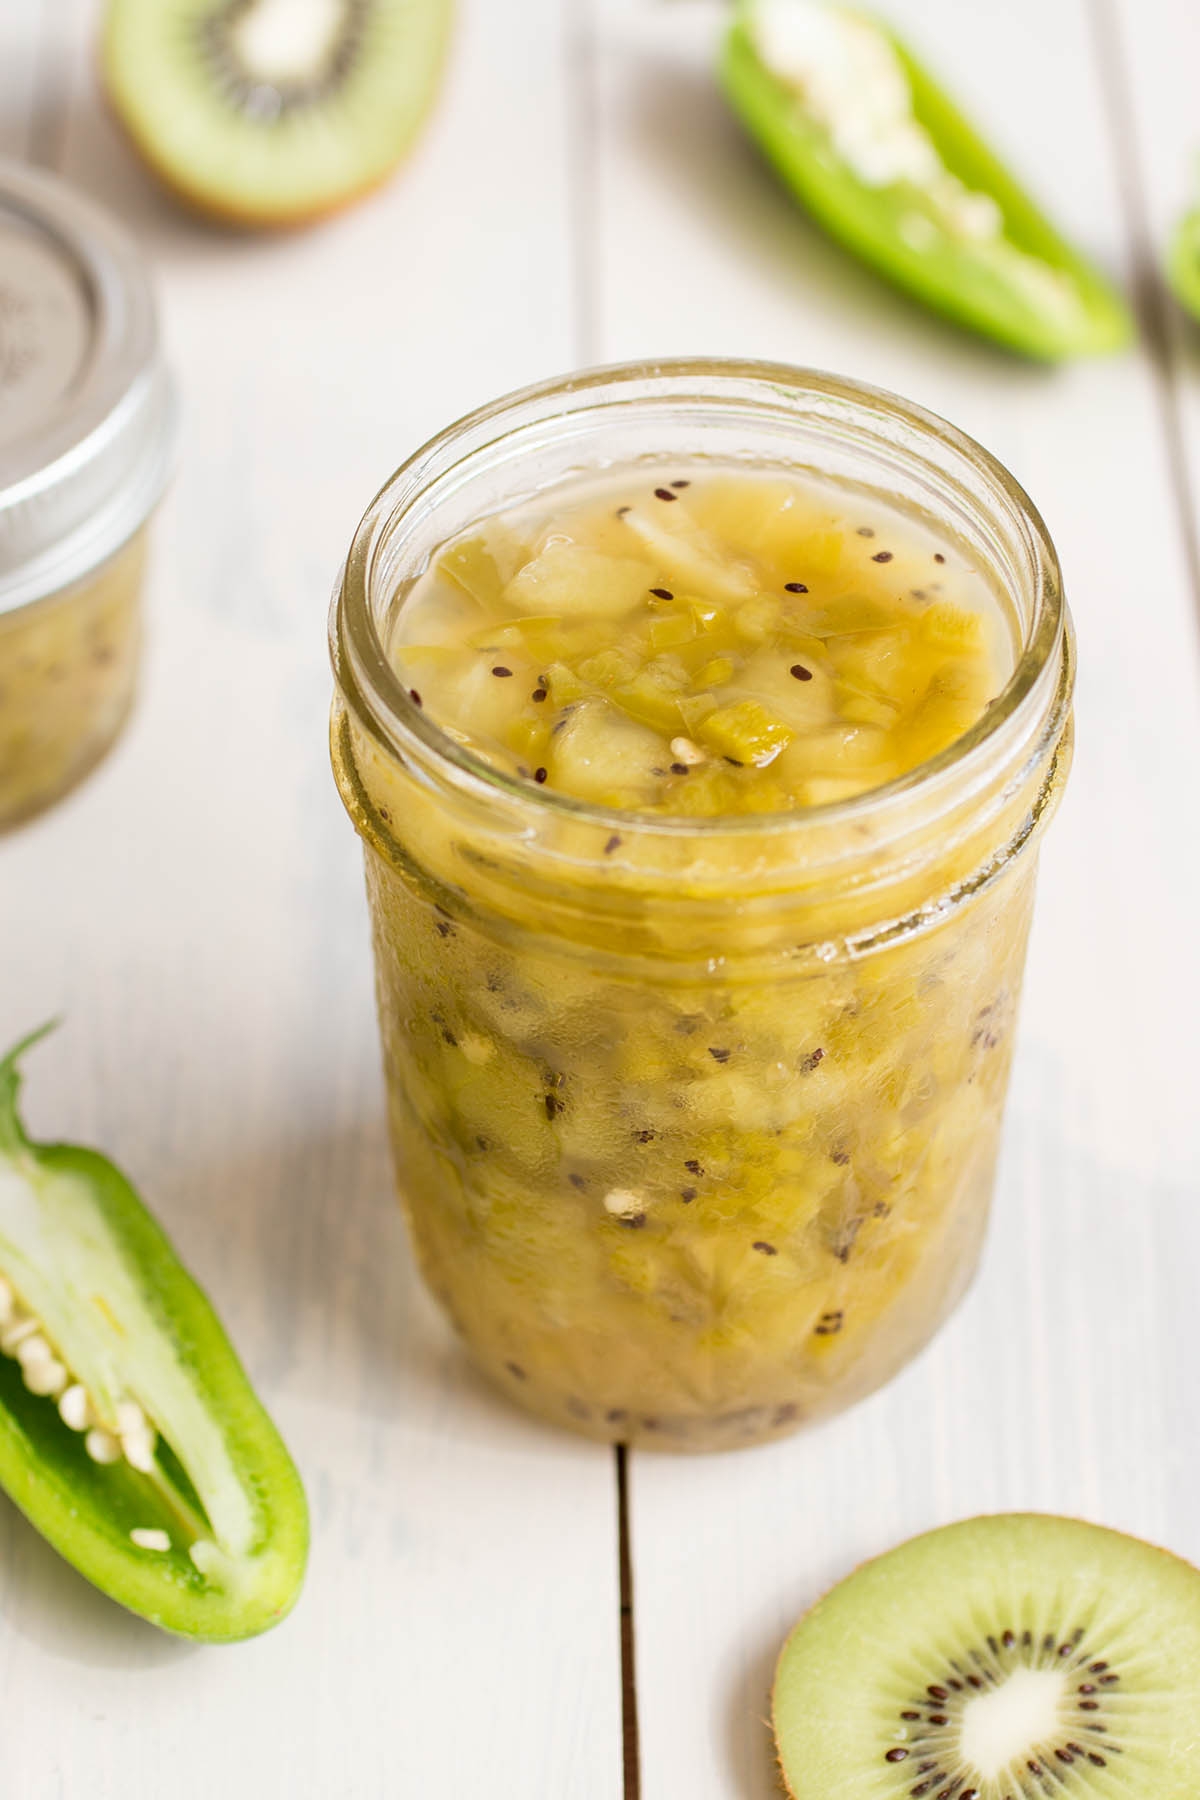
272, 112
1018, 1657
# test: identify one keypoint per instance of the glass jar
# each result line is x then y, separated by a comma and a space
696, 1121
86, 426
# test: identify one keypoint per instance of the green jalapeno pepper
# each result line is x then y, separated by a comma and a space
885, 162
1183, 261
129, 1434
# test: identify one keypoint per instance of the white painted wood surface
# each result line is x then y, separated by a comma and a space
1068, 1380
195, 912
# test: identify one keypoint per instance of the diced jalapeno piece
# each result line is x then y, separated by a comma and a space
887, 164
1183, 263
129, 1434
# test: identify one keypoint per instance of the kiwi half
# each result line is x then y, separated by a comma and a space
1018, 1657
272, 112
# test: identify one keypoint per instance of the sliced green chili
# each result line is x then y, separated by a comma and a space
882, 158
129, 1434
1183, 261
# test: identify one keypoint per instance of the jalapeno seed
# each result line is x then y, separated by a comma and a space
149, 1537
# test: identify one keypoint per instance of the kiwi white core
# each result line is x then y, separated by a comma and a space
1000, 1726
283, 41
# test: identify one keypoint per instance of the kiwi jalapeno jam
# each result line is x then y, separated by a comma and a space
701, 721
86, 429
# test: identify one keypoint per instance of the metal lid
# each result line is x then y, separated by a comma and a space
86, 408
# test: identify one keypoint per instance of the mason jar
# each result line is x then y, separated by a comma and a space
86, 428
783, 1040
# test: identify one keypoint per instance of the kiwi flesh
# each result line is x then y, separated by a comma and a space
1014, 1657
272, 112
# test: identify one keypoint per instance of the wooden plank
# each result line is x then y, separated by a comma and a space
196, 914
1062, 1384
19, 24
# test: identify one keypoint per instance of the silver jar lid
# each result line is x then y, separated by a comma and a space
86, 406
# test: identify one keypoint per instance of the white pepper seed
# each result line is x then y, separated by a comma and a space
684, 751
130, 1417
47, 1376
138, 1447
102, 1446
623, 1204
22, 1327
75, 1409
33, 1349
147, 1537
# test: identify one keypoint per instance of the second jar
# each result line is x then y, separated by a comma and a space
696, 1119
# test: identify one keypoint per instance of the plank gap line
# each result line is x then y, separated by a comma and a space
630, 1748
1150, 296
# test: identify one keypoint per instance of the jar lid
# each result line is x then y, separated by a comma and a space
87, 410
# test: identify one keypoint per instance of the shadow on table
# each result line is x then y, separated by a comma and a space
54, 1607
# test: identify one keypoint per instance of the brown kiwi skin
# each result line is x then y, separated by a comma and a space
245, 219
973, 1519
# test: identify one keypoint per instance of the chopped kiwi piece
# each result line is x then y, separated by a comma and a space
754, 621
602, 755
998, 1659
485, 563
746, 732
690, 555
272, 112
571, 578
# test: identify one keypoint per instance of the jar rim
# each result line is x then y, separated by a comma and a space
1040, 683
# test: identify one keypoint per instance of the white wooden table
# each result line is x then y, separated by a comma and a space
195, 912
